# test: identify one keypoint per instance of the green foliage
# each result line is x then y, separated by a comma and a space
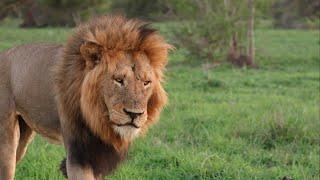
243, 124
141, 8
263, 8
40, 13
296, 13
155, 9
208, 35
68, 3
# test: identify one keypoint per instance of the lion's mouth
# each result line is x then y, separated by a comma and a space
128, 124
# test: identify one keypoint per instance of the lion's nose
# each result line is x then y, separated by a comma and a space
132, 114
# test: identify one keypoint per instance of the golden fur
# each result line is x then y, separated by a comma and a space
78, 84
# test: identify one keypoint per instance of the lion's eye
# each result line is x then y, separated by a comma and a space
119, 81
146, 83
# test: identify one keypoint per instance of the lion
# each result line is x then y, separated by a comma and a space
94, 95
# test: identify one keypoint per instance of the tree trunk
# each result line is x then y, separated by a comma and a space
251, 48
233, 53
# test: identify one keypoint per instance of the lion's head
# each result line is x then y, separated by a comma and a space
113, 69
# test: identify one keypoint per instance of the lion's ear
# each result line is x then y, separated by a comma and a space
91, 53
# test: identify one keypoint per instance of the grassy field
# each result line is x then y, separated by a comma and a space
241, 124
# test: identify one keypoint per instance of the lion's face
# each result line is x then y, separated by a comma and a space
121, 72
121, 91
127, 88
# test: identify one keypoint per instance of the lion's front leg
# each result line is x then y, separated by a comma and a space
77, 165
83, 162
88, 157
77, 172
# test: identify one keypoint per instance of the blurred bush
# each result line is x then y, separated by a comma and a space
296, 14
208, 34
155, 9
38, 13
57, 12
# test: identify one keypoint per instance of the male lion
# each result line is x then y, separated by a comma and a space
94, 95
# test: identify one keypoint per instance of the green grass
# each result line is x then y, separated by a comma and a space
239, 124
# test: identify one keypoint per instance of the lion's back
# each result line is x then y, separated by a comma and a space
31, 83
30, 68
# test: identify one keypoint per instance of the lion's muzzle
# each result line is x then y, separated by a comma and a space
133, 114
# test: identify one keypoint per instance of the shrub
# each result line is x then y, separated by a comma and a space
208, 35
296, 13
155, 9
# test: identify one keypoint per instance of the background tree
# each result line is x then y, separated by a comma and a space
153, 10
251, 47
39, 13
208, 35
296, 13
285, 13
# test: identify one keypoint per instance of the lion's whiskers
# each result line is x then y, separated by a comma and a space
121, 115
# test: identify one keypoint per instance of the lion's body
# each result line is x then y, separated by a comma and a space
93, 95
27, 97
32, 90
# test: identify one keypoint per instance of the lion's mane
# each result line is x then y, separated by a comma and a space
77, 85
